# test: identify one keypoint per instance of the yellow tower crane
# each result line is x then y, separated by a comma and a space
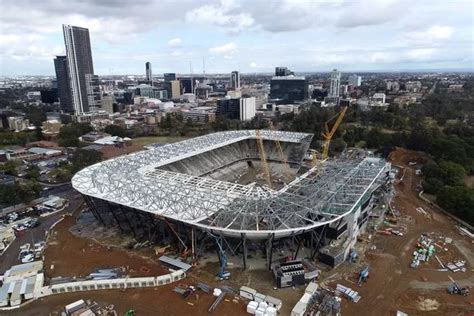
263, 158
283, 157
329, 133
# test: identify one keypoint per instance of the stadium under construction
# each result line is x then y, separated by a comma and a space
251, 189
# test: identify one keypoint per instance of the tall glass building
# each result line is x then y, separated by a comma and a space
64, 84
79, 59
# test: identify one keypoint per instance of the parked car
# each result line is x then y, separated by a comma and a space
28, 258
24, 253
25, 246
32, 223
39, 246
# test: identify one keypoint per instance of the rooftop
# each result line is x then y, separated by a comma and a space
321, 195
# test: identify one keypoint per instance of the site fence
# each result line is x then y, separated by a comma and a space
123, 283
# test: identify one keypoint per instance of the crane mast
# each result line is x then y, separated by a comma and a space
283, 157
263, 158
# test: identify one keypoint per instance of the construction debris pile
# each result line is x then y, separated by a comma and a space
437, 246
317, 300
98, 274
348, 292
88, 308
425, 249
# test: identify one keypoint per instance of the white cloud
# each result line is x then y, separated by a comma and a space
253, 65
226, 50
225, 14
175, 42
434, 33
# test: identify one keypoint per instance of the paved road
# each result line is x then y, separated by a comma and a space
10, 257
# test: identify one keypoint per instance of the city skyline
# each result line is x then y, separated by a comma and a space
306, 36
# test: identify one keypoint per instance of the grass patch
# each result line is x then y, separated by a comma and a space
147, 140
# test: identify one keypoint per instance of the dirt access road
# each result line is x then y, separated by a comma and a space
392, 284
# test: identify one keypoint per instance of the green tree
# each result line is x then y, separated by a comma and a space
9, 167
83, 158
116, 130
459, 200
69, 134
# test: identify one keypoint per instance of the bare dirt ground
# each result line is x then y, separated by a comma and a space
392, 284
69, 255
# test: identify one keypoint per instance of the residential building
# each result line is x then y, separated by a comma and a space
64, 84
79, 62
335, 84
235, 80
393, 86
355, 80
247, 108
149, 75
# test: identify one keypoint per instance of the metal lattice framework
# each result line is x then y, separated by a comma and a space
323, 194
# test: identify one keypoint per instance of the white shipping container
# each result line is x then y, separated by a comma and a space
247, 292
259, 297
273, 302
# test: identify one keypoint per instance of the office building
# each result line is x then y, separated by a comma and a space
18, 123
229, 108
235, 80
145, 90
93, 92
200, 114
79, 61
175, 89
288, 89
64, 84
335, 84
247, 108
187, 85
283, 71
149, 75
108, 104
355, 80
378, 99
169, 76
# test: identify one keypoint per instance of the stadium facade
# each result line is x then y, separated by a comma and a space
197, 189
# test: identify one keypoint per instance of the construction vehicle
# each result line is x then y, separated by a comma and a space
130, 312
456, 289
353, 255
284, 159
223, 274
263, 158
329, 133
363, 275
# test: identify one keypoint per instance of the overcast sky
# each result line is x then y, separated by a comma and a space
247, 35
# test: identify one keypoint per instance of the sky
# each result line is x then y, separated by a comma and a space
251, 36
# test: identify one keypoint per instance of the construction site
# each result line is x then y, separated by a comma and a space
255, 222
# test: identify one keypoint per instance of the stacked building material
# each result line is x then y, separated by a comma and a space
348, 292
